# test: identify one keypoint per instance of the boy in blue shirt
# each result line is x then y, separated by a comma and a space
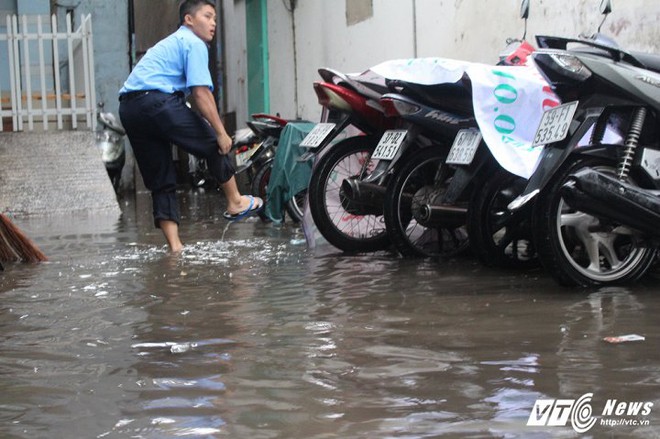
154, 114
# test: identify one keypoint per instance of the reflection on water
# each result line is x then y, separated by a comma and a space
253, 336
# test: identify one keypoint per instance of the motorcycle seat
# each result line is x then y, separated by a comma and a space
455, 97
369, 85
650, 60
265, 129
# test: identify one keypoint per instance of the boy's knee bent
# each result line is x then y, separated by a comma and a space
165, 206
221, 168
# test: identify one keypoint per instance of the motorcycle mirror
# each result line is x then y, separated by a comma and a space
524, 9
524, 14
605, 6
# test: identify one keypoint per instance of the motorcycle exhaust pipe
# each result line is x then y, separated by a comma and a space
360, 191
361, 198
598, 194
442, 215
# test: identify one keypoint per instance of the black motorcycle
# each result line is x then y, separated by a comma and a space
255, 148
595, 209
429, 198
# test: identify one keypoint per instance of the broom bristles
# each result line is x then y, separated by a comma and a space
15, 246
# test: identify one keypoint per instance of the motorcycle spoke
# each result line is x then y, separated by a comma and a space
609, 252
599, 250
593, 252
349, 224
573, 219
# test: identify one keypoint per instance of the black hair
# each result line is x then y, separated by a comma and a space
189, 7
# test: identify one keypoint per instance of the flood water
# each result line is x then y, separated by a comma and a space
255, 336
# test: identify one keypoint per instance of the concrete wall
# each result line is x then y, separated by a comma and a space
282, 63
111, 55
110, 27
473, 30
235, 60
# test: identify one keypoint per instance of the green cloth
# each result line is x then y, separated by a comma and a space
288, 176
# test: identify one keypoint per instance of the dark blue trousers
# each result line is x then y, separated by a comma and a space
153, 122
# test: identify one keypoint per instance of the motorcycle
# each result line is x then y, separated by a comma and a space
255, 149
430, 198
594, 195
348, 224
348, 184
110, 141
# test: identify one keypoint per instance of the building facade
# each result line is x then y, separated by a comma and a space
352, 35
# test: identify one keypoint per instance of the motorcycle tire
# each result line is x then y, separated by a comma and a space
575, 248
496, 244
259, 185
421, 180
348, 232
296, 205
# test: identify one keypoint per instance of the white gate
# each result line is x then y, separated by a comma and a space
48, 79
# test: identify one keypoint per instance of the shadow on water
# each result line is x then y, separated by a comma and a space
256, 336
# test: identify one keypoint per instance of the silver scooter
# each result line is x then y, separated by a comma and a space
110, 141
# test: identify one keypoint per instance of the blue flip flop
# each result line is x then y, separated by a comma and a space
251, 210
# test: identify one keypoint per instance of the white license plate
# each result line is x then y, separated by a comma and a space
464, 147
318, 134
555, 123
243, 157
389, 145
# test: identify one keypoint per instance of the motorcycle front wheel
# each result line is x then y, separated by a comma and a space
579, 249
331, 210
420, 182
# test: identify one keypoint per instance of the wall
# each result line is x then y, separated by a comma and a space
110, 28
283, 67
111, 59
464, 29
235, 60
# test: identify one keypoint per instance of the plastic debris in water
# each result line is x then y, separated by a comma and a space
625, 338
180, 348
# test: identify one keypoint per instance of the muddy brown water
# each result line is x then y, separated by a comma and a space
255, 336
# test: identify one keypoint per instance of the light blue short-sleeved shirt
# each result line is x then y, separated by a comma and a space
175, 64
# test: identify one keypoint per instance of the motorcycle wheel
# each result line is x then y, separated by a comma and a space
501, 244
327, 203
295, 206
420, 181
576, 248
259, 185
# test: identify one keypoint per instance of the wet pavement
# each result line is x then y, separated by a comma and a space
255, 336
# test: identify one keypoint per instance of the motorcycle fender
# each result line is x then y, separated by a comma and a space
340, 126
553, 157
465, 176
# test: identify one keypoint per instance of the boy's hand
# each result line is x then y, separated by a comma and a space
224, 143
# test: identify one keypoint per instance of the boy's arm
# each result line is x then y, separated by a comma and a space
205, 104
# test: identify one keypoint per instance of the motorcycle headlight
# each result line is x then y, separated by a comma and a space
561, 66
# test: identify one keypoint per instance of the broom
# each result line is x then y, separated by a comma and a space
15, 246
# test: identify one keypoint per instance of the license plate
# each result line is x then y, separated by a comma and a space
389, 144
318, 134
243, 157
464, 147
555, 123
